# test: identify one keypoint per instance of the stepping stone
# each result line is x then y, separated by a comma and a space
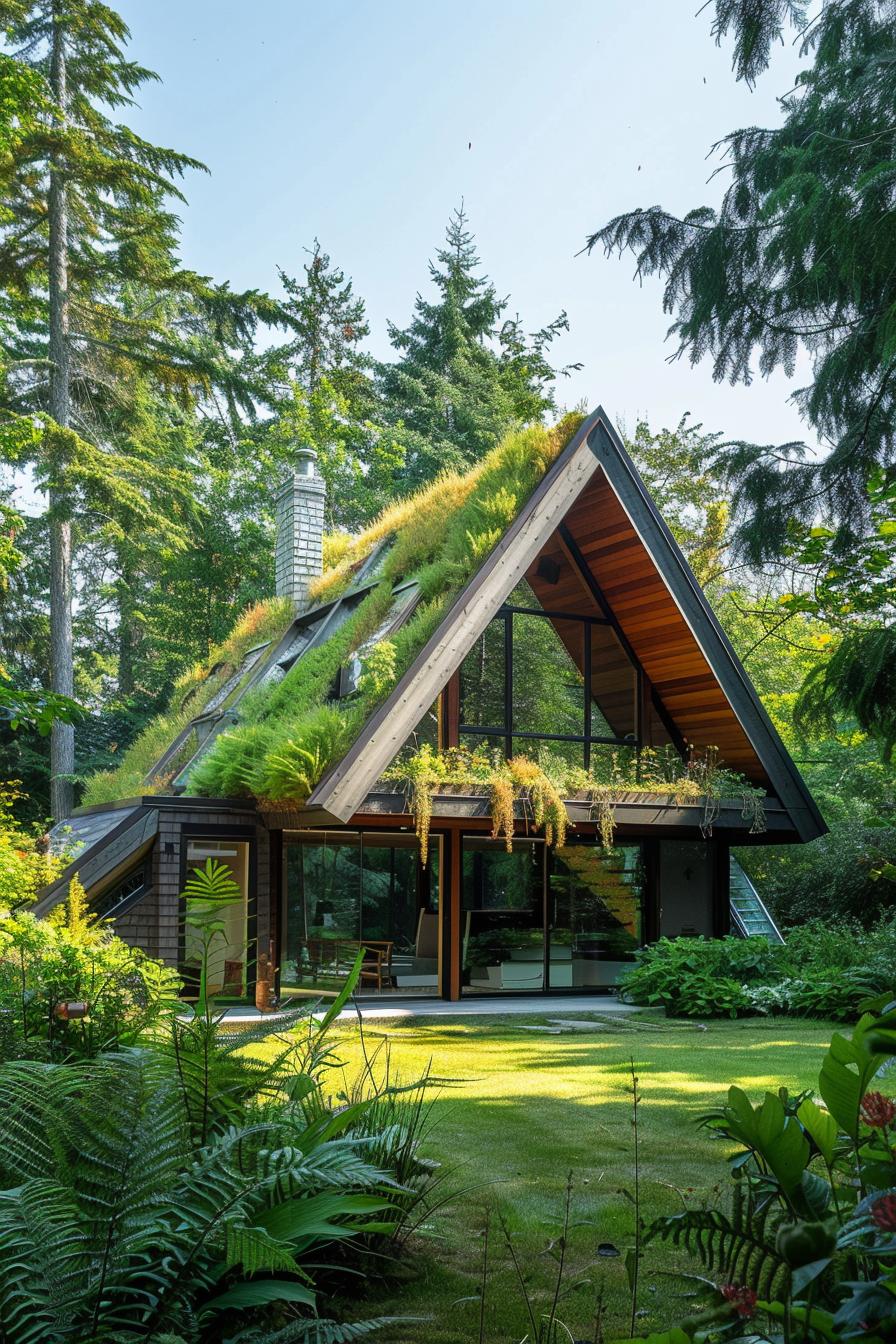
576, 1024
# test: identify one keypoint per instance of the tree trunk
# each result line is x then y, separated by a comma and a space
62, 678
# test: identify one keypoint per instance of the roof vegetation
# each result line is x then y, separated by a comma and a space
292, 731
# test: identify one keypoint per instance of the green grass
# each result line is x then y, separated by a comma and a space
521, 1110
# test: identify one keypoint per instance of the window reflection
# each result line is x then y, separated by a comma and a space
595, 913
545, 707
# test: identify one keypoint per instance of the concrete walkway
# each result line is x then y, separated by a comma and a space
605, 1005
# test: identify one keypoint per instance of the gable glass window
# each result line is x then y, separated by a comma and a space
539, 680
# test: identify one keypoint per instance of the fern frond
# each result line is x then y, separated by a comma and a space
44, 1262
256, 1251
740, 1249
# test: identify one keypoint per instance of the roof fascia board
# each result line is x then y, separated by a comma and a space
99, 859
661, 546
344, 788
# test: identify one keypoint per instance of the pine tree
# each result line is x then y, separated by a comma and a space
464, 376
329, 399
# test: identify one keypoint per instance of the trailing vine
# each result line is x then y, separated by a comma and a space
544, 784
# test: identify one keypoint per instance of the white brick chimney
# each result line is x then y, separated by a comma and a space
300, 529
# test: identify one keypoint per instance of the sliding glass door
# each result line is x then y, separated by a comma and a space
538, 919
595, 913
502, 925
348, 893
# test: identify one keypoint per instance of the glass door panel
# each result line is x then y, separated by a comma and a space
502, 898
228, 952
347, 891
595, 914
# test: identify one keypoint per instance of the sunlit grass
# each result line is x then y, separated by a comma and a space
518, 1110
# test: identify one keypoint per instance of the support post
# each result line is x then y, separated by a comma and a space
451, 950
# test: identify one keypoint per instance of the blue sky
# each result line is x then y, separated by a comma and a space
350, 121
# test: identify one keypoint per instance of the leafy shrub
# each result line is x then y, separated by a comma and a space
25, 862
825, 945
821, 971
699, 977
46, 965
809, 1238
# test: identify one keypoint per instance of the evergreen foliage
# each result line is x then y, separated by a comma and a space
795, 258
465, 374
99, 314
331, 403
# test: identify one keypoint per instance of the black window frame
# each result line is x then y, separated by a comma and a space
587, 738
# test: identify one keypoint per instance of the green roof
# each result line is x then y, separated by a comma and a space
284, 696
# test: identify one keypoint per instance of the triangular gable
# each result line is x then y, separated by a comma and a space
593, 505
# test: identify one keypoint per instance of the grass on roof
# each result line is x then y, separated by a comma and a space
260, 623
289, 733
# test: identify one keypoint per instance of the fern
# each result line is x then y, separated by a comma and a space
44, 1257
740, 1249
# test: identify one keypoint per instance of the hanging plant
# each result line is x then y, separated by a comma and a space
423, 773
542, 794
501, 795
698, 780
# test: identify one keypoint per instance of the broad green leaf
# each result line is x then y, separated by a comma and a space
821, 1127
845, 1074
807, 1274
260, 1293
329, 1215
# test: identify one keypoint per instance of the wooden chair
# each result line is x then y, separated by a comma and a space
336, 957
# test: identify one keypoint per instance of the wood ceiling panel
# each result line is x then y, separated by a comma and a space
650, 621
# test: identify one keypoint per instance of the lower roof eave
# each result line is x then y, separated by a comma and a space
634, 812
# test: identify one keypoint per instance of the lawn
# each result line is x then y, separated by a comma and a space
521, 1109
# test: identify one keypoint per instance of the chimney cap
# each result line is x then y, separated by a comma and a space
305, 460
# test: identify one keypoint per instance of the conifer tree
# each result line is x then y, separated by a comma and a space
465, 374
89, 272
800, 256
329, 396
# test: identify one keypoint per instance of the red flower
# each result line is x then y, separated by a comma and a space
743, 1299
877, 1110
883, 1212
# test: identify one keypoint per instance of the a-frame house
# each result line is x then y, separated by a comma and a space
582, 633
